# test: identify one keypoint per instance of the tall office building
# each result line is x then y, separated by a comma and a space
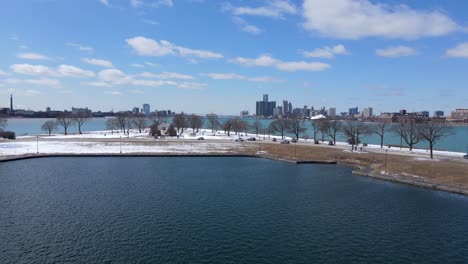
146, 109
285, 107
265, 108
353, 111
367, 112
332, 112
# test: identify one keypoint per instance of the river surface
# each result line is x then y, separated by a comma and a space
457, 142
220, 210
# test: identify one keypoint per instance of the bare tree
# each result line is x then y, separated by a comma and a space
122, 121
257, 126
244, 126
355, 130
3, 123
213, 120
315, 128
333, 127
195, 122
171, 131
323, 127
79, 119
227, 127
65, 120
296, 126
280, 126
111, 124
380, 128
49, 126
409, 132
158, 117
140, 121
236, 125
432, 132
180, 122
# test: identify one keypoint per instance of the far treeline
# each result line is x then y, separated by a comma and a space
410, 132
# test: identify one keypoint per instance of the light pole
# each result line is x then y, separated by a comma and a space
386, 154
37, 144
295, 151
120, 144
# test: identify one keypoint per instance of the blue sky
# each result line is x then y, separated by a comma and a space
221, 56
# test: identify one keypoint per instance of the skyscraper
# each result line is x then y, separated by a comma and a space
285, 107
332, 112
146, 109
11, 103
265, 108
367, 112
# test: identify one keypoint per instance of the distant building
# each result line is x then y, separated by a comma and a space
367, 112
11, 104
244, 114
439, 114
332, 112
403, 112
353, 111
135, 110
286, 109
278, 111
47, 109
146, 109
265, 108
459, 114
81, 111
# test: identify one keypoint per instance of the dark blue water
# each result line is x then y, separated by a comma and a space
220, 210
457, 142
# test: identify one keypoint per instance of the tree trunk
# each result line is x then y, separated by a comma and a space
431, 146
79, 129
65, 131
381, 141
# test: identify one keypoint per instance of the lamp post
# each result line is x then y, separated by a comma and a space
386, 154
120, 144
37, 144
295, 151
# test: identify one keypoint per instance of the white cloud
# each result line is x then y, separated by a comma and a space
135, 91
30, 92
225, 76
97, 84
152, 4
28, 69
80, 46
150, 22
266, 60
149, 47
38, 82
273, 9
114, 93
397, 51
354, 19
235, 76
117, 77
192, 85
74, 72
174, 75
460, 51
136, 65
2, 73
32, 56
326, 52
302, 66
98, 62
246, 27
61, 71
152, 64
104, 2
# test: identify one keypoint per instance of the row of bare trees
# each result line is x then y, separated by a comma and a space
65, 121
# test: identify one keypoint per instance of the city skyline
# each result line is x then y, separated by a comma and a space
117, 54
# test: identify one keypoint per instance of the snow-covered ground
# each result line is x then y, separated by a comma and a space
108, 142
